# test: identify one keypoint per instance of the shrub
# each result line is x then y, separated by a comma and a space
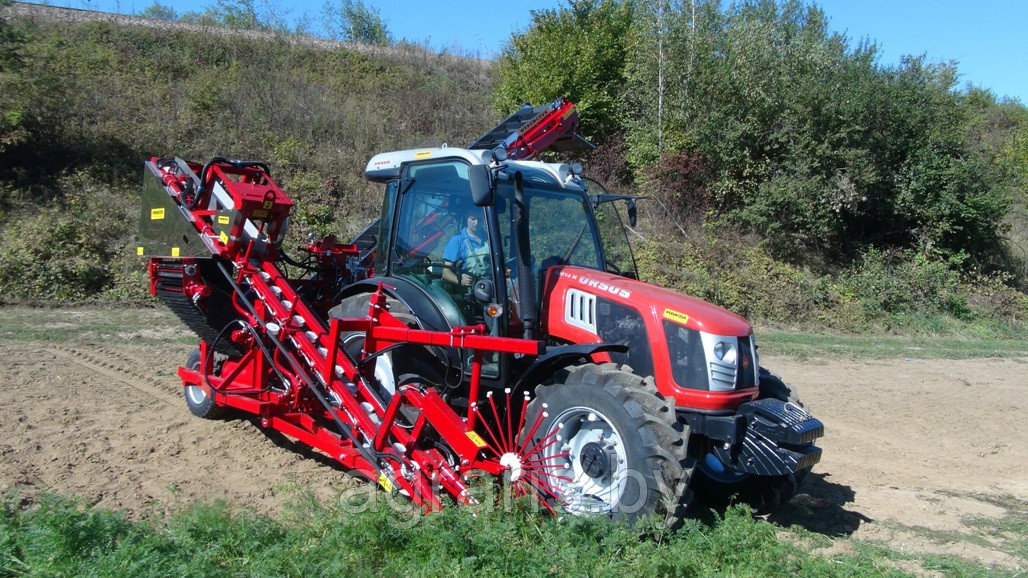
882, 290
53, 256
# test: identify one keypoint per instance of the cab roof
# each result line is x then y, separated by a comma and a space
386, 166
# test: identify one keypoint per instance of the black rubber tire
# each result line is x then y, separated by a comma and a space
199, 403
772, 386
764, 494
655, 444
412, 359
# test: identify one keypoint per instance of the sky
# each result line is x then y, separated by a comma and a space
987, 38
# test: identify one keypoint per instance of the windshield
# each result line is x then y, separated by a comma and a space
561, 229
440, 239
434, 206
616, 249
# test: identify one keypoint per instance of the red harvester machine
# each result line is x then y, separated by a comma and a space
490, 322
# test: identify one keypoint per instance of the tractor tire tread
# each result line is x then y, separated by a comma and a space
665, 447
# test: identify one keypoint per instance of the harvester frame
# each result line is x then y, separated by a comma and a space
293, 373
312, 355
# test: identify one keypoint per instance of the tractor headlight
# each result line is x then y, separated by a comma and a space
725, 351
722, 360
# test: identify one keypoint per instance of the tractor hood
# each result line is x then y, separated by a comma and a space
566, 283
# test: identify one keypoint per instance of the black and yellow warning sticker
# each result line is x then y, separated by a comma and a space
477, 439
676, 316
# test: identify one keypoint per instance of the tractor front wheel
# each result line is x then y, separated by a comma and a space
613, 443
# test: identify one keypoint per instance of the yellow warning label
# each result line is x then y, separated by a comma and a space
157, 214
385, 483
223, 219
259, 213
139, 250
672, 315
422, 154
224, 238
174, 251
477, 439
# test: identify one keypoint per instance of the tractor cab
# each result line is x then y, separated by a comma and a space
468, 244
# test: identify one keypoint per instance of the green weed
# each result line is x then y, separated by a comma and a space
58, 536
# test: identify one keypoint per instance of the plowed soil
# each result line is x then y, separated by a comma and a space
918, 453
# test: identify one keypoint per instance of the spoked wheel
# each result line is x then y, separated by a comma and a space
610, 446
717, 484
199, 403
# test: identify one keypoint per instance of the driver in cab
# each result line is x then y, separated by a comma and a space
467, 253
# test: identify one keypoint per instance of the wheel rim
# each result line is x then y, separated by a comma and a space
196, 394
384, 372
592, 476
715, 469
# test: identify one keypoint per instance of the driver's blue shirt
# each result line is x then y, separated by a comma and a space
464, 247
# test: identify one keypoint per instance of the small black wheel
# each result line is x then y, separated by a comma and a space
199, 403
716, 485
618, 451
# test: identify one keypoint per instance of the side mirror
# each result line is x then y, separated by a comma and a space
633, 213
481, 185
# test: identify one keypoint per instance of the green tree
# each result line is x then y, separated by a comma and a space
159, 11
803, 139
354, 21
12, 105
579, 52
238, 15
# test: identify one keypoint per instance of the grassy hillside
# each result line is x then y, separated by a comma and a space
83, 103
86, 103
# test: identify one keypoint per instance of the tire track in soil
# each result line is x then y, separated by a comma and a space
116, 366
107, 423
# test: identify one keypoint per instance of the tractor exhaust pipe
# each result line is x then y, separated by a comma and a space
526, 282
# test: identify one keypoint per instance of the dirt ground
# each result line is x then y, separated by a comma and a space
916, 455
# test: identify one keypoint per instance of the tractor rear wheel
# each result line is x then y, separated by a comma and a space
409, 360
200, 404
617, 448
717, 485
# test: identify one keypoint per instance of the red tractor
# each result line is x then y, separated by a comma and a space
492, 320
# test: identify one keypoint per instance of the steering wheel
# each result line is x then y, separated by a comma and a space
433, 267
429, 266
